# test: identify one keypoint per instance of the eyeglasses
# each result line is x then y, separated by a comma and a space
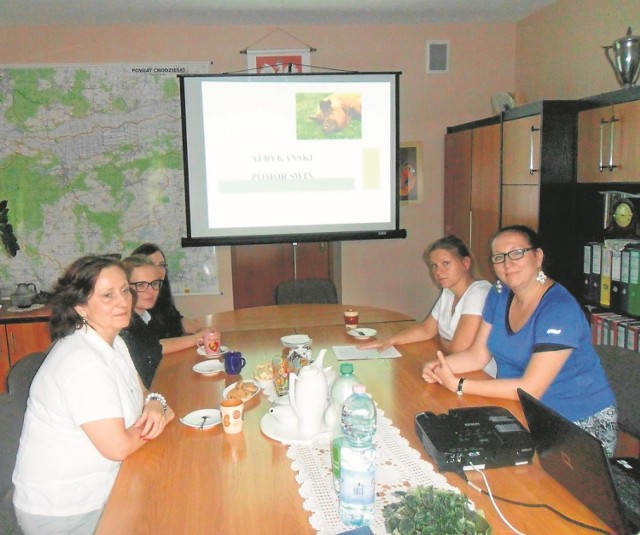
143, 286
516, 254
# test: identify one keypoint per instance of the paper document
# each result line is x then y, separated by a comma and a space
353, 353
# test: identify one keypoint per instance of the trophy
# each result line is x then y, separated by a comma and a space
626, 58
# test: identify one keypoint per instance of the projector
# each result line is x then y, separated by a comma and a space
485, 437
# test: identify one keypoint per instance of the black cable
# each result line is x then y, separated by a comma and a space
534, 506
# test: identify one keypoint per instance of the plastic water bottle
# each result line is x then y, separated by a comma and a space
358, 459
341, 389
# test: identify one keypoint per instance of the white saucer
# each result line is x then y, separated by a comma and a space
286, 434
209, 367
195, 418
203, 353
226, 391
362, 333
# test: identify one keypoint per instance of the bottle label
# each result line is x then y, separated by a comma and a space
336, 445
357, 478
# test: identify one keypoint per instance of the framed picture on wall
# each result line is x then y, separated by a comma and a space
278, 61
411, 174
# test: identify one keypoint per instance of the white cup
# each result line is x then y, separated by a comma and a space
232, 412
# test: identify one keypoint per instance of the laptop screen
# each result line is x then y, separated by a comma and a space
575, 459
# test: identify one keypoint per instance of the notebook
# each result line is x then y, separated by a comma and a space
577, 460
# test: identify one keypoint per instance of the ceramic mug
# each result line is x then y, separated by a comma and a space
233, 362
210, 342
232, 413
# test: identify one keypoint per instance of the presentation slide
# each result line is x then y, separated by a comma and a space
283, 155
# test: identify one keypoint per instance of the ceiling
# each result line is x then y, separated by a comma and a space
108, 12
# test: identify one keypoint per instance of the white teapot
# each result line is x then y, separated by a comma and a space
309, 396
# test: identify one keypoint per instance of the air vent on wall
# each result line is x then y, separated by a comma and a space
437, 57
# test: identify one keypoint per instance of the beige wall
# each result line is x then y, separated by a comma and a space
559, 48
386, 273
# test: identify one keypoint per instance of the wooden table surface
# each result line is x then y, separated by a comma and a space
195, 482
297, 316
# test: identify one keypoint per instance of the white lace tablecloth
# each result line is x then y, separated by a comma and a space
398, 467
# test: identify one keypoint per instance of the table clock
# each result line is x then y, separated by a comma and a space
624, 219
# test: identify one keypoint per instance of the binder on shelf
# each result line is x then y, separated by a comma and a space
624, 280
633, 331
623, 332
587, 274
616, 284
605, 277
608, 322
616, 329
597, 323
633, 307
596, 264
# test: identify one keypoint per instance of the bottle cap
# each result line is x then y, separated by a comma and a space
346, 368
359, 389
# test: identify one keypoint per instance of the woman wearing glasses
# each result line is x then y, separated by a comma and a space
144, 335
169, 320
456, 315
540, 339
87, 410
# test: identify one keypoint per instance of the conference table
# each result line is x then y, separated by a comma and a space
191, 481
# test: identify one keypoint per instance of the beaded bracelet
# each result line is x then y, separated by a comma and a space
157, 397
460, 383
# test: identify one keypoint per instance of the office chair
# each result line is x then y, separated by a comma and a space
11, 416
621, 367
21, 376
306, 291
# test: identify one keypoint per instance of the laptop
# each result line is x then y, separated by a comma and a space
577, 460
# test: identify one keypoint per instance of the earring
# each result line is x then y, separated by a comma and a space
542, 277
84, 320
499, 286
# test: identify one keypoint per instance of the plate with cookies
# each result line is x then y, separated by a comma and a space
243, 390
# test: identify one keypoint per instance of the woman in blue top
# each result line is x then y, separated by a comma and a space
540, 339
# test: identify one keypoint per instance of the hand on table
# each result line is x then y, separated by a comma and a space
153, 420
439, 371
380, 345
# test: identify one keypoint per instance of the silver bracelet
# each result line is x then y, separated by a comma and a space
157, 397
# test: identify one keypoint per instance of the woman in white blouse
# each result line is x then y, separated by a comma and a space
457, 314
87, 408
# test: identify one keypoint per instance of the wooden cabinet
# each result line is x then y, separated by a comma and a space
609, 143
521, 171
539, 144
20, 336
472, 189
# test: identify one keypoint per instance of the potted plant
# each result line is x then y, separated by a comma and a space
427, 510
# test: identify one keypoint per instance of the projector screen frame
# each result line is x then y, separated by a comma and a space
295, 237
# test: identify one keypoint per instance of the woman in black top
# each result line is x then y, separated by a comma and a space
145, 334
171, 323
142, 336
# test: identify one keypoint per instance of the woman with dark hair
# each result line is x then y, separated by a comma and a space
540, 339
87, 409
456, 315
142, 336
165, 312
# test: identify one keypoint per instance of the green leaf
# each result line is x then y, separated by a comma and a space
424, 510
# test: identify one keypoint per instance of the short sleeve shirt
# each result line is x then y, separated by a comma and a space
59, 472
471, 302
581, 388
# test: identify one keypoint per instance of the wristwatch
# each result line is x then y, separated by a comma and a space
460, 383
